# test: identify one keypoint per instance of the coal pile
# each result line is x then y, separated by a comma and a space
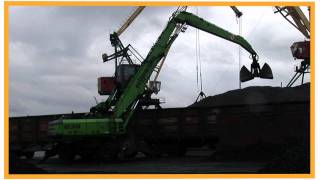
258, 95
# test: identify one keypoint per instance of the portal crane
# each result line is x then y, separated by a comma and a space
117, 44
121, 54
300, 50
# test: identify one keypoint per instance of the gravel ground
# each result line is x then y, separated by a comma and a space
194, 162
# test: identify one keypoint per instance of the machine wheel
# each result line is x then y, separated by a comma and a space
151, 150
29, 155
108, 152
129, 147
177, 151
66, 156
66, 153
87, 156
131, 155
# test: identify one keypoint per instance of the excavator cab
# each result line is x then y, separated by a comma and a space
255, 71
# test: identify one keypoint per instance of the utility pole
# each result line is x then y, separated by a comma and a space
240, 32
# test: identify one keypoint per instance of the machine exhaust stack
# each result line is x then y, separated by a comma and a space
265, 72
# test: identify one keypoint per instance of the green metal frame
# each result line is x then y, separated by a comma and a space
125, 104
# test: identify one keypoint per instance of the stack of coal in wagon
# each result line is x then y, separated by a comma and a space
290, 159
258, 95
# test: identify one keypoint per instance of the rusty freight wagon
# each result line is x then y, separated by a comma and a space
172, 131
28, 134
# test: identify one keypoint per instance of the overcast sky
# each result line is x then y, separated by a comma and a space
55, 54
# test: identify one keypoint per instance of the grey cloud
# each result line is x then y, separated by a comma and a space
55, 53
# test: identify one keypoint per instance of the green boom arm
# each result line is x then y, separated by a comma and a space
138, 82
199, 23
